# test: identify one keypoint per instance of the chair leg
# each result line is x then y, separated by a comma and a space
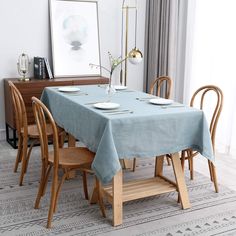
28, 154
24, 156
210, 169
58, 191
134, 164
40, 190
42, 186
214, 177
100, 199
52, 201
190, 162
191, 168
85, 185
168, 160
19, 154
46, 180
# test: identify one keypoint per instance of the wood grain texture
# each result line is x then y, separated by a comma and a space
67, 159
217, 108
34, 87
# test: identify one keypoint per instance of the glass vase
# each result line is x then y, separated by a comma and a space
110, 90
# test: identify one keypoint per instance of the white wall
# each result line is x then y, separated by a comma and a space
24, 27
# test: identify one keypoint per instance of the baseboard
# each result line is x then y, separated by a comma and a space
2, 134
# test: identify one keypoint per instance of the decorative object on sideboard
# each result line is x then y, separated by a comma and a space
39, 68
48, 68
42, 68
135, 55
75, 37
23, 66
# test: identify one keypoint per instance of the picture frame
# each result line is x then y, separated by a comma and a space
75, 38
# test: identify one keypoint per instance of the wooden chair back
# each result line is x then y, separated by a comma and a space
20, 110
202, 91
158, 83
43, 117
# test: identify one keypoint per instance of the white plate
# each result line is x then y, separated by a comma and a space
106, 105
69, 89
120, 87
161, 101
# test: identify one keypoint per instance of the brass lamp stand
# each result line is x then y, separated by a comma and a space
135, 55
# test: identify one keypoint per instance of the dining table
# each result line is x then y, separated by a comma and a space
130, 124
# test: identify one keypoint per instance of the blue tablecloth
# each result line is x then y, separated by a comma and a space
149, 131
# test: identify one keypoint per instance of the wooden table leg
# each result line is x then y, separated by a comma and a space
159, 166
128, 163
61, 138
71, 141
180, 181
117, 203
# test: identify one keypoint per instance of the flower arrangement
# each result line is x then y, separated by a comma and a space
114, 63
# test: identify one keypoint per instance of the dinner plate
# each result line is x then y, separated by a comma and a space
161, 101
106, 105
69, 89
120, 87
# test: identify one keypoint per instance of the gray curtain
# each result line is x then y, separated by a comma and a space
165, 24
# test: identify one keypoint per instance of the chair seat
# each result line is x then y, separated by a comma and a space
33, 130
73, 157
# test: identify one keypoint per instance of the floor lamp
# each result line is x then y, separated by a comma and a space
135, 55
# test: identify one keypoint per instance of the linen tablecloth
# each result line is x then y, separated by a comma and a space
149, 131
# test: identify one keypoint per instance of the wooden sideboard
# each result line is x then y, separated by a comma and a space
34, 87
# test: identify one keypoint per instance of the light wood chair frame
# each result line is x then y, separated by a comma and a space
158, 83
23, 153
189, 154
41, 113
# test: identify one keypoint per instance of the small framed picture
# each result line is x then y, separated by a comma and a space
75, 38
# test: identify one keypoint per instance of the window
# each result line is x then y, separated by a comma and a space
214, 62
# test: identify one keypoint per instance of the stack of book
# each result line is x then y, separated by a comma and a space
42, 68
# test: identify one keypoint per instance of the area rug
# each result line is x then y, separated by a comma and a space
210, 214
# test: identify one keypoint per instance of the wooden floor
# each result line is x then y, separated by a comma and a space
226, 169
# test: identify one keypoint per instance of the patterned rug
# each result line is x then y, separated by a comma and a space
210, 214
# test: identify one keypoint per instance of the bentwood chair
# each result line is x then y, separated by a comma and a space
217, 108
25, 132
67, 159
155, 89
158, 83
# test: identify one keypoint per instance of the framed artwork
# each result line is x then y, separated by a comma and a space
75, 38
